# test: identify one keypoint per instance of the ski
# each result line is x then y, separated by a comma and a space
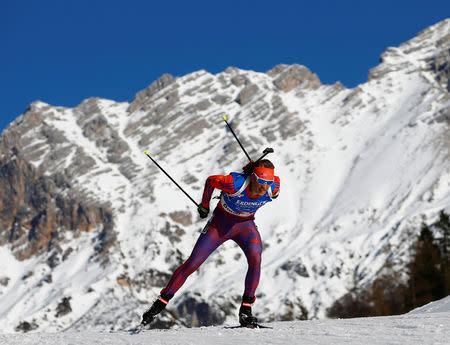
135, 330
141, 327
250, 326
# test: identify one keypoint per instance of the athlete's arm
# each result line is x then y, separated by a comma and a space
221, 182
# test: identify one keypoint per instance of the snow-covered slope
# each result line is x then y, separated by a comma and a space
441, 306
417, 328
360, 169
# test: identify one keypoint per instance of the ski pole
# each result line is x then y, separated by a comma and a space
148, 155
266, 151
231, 129
248, 169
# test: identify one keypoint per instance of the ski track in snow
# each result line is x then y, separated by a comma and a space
412, 329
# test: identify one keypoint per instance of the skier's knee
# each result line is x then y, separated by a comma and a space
254, 259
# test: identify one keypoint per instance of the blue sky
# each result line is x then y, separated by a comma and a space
62, 52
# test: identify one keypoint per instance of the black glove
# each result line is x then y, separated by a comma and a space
202, 211
248, 168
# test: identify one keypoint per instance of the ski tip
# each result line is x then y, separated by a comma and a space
146, 152
224, 117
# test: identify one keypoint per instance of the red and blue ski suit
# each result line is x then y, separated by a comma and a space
233, 219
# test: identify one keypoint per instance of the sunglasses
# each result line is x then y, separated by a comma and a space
263, 181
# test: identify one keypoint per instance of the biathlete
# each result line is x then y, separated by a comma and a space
233, 218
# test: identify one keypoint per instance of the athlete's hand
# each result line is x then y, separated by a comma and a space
202, 211
248, 168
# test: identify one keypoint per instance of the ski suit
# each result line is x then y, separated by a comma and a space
233, 218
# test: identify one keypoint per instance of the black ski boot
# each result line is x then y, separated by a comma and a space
246, 319
158, 306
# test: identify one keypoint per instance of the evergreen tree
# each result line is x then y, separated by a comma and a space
429, 279
426, 281
443, 226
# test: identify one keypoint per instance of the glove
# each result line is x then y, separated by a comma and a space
202, 211
248, 169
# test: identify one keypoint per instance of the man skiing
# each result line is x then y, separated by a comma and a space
233, 218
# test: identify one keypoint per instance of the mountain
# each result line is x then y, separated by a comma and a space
91, 229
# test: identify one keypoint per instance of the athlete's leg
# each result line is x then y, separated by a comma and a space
246, 235
206, 244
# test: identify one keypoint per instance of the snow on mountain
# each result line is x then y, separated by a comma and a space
92, 230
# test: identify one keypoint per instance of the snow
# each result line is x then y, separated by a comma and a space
441, 306
427, 325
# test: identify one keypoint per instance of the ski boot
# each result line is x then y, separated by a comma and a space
158, 306
246, 319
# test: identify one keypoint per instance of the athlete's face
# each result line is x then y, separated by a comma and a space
256, 188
